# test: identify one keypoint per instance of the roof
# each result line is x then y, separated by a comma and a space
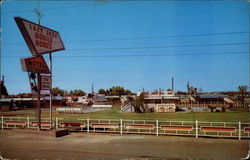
112, 96
15, 99
154, 97
100, 99
53, 98
29, 99
213, 96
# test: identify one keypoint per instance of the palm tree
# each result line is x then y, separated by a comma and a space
138, 103
242, 90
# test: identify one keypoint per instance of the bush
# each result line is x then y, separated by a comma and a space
74, 99
223, 109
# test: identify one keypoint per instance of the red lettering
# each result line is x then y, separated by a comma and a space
36, 28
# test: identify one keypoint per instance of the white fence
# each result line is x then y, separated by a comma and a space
123, 126
102, 106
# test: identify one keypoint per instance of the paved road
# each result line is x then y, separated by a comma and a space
16, 144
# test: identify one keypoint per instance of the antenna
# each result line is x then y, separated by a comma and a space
38, 12
172, 84
188, 86
92, 88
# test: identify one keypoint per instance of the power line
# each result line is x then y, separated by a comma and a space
151, 47
153, 55
103, 2
20, 11
145, 55
142, 38
154, 47
162, 37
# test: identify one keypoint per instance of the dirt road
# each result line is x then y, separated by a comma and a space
19, 145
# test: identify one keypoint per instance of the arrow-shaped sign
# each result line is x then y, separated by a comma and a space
34, 65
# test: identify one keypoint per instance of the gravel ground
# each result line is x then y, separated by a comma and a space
17, 144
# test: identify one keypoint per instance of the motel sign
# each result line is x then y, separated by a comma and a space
40, 40
34, 65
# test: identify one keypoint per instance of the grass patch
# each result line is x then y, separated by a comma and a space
238, 115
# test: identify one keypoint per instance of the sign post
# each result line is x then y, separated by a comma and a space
46, 84
40, 40
37, 65
50, 100
39, 102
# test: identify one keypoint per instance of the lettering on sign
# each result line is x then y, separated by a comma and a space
45, 82
169, 107
39, 39
35, 65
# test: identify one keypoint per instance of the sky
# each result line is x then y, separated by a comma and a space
134, 44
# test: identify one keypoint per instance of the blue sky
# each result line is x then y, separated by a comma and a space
140, 44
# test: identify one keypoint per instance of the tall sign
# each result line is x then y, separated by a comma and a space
39, 39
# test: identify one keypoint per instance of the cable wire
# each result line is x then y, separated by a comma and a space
142, 38
145, 55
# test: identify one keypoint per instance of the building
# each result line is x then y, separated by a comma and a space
10, 104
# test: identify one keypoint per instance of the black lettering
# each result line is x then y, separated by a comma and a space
29, 62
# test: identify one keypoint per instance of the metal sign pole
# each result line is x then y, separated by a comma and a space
38, 83
39, 102
50, 102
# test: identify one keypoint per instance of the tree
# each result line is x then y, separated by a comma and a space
211, 108
242, 90
117, 91
192, 90
90, 96
127, 92
138, 103
101, 91
57, 91
77, 92
24, 95
3, 89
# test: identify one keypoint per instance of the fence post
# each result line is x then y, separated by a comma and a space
28, 121
88, 125
157, 124
56, 123
196, 129
2, 122
121, 126
239, 130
